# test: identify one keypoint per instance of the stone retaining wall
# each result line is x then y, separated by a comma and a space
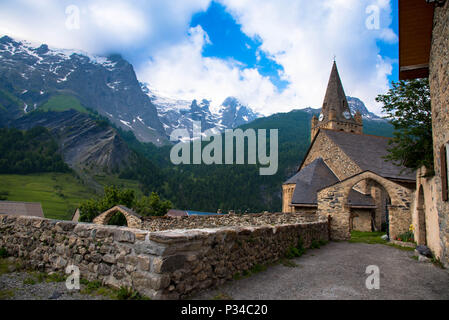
161, 265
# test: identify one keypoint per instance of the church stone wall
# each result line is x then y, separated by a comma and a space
361, 220
425, 213
287, 195
342, 166
439, 89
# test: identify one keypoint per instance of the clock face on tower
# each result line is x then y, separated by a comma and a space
321, 118
347, 115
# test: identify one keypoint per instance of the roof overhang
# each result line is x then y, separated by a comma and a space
303, 205
415, 37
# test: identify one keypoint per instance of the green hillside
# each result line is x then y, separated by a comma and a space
59, 193
63, 103
239, 187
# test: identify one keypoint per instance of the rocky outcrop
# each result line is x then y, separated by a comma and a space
31, 75
83, 142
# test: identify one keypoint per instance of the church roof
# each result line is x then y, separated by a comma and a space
368, 153
335, 98
316, 176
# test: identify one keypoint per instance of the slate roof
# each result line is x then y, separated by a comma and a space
316, 176
367, 152
29, 209
335, 98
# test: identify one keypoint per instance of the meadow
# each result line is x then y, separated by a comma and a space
59, 193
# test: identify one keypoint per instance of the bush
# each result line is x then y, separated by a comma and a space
296, 252
128, 294
3, 253
4, 195
152, 206
406, 237
114, 196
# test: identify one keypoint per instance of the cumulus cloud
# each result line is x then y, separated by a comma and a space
302, 36
104, 25
183, 72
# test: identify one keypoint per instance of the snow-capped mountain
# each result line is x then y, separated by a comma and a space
355, 104
36, 76
180, 114
234, 114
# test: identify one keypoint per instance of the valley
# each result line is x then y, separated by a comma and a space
111, 129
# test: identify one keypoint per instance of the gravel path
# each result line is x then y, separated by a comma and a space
12, 287
337, 271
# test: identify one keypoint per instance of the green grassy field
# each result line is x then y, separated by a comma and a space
108, 180
59, 194
63, 103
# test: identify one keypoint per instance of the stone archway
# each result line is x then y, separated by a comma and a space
133, 219
333, 202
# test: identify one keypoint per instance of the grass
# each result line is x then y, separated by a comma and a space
367, 237
60, 194
108, 180
374, 238
222, 296
6, 294
96, 288
288, 263
63, 103
7, 267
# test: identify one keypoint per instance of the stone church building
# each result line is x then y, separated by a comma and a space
344, 174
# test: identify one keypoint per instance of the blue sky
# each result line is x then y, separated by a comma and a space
229, 42
273, 55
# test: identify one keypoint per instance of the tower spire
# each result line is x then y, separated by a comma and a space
335, 98
336, 113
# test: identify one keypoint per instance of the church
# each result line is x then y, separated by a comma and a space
344, 174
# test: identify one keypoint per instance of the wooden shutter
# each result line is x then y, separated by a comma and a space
444, 172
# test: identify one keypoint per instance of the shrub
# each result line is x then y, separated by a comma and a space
296, 252
3, 253
406, 237
125, 293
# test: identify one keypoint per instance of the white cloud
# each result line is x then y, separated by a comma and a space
105, 25
182, 72
303, 36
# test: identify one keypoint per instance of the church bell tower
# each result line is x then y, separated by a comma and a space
335, 114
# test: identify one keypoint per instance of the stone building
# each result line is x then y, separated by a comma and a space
344, 174
424, 52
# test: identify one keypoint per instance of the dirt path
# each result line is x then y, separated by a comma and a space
337, 271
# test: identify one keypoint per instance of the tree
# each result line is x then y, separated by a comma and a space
407, 105
113, 196
152, 206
